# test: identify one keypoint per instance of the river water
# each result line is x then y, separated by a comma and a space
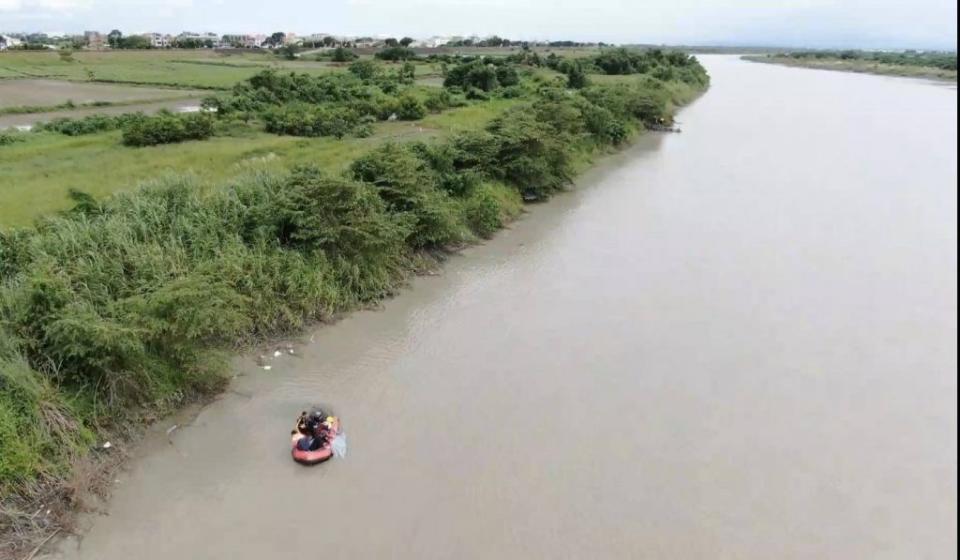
734, 342
26, 121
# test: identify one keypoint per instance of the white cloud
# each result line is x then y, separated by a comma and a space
41, 6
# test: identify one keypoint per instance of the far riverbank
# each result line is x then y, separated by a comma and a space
858, 66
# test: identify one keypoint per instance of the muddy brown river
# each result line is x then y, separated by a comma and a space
734, 342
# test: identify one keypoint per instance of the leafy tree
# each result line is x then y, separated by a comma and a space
577, 76
114, 38
289, 52
391, 42
482, 75
406, 41
134, 42
276, 39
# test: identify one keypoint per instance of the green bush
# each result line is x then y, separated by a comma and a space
438, 101
484, 213
365, 69
166, 128
314, 120
408, 187
410, 108
395, 54
91, 124
482, 74
7, 138
531, 155
341, 54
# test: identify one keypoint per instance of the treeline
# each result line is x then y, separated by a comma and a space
941, 60
495, 41
130, 301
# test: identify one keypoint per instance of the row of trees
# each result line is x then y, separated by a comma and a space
941, 60
495, 41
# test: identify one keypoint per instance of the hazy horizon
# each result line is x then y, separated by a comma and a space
925, 24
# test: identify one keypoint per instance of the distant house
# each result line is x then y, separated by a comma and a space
315, 38
432, 42
203, 38
94, 39
8, 42
243, 41
158, 40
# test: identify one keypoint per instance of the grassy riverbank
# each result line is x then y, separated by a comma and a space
937, 67
124, 307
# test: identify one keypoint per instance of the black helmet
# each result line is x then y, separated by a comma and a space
315, 417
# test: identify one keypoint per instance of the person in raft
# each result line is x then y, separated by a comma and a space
317, 427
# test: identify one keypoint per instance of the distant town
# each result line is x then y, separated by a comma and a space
116, 39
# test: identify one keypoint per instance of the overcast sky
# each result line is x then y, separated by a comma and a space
818, 23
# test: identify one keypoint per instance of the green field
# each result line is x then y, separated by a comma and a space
38, 172
189, 69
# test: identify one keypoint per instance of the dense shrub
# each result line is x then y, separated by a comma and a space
313, 120
167, 128
438, 101
341, 54
270, 88
530, 154
576, 76
486, 211
7, 138
483, 74
405, 183
365, 69
410, 108
664, 65
90, 124
395, 54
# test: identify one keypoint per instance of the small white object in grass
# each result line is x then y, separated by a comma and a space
276, 354
107, 445
290, 351
267, 367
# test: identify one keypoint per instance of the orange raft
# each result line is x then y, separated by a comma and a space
304, 455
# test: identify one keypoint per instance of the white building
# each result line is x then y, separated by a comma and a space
8, 42
201, 37
159, 40
432, 42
